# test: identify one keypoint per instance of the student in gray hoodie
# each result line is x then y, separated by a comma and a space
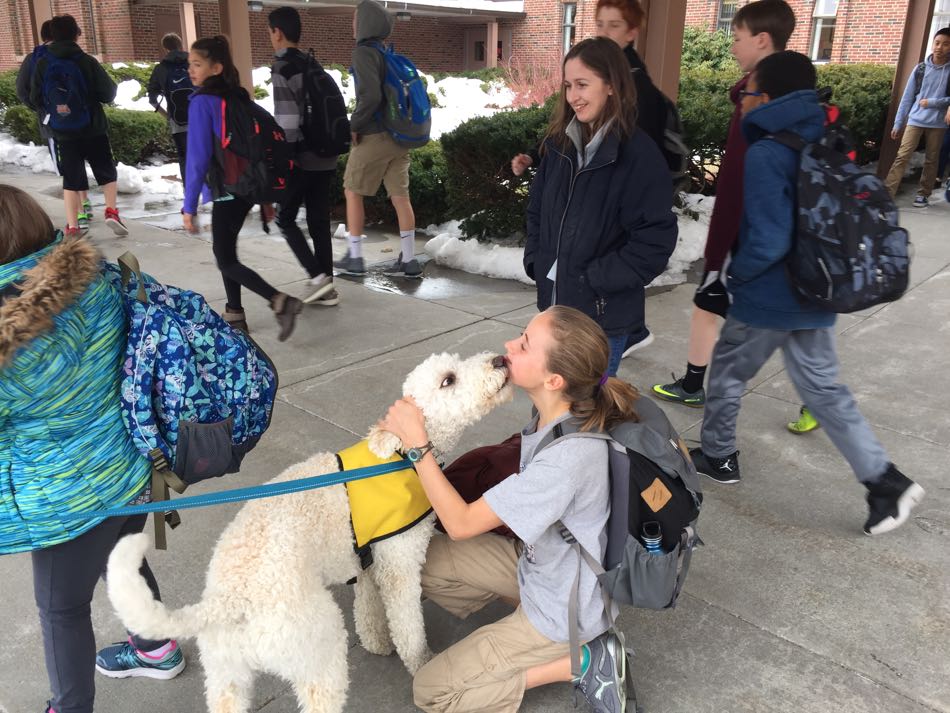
374, 157
921, 114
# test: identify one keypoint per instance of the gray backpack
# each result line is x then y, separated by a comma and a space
653, 483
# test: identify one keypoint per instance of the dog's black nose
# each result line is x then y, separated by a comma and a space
499, 362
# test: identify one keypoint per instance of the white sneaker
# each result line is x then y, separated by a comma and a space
645, 342
321, 285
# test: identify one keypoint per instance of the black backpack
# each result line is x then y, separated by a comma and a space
849, 252
178, 90
671, 144
324, 124
252, 159
653, 483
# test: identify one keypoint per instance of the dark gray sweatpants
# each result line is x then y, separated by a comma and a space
812, 366
64, 579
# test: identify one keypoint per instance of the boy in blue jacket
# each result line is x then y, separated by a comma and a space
765, 314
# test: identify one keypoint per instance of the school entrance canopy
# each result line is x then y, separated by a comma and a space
660, 43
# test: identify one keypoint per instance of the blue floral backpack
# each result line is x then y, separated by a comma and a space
196, 393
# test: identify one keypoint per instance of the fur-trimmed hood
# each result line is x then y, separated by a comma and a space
47, 286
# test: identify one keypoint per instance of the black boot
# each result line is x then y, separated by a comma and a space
890, 500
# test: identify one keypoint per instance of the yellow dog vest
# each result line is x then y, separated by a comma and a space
386, 504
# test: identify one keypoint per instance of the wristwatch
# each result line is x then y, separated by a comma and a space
417, 454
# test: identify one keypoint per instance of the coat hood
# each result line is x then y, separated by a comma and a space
798, 112
175, 56
373, 22
48, 281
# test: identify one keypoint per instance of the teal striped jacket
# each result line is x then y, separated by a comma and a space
63, 445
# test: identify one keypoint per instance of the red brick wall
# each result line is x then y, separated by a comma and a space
330, 35
865, 31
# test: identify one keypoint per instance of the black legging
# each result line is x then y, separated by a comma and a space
227, 218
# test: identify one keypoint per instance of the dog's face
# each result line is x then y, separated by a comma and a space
453, 393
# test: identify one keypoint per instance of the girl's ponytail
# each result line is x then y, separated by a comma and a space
580, 355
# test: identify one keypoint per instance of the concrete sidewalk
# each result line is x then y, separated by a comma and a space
789, 607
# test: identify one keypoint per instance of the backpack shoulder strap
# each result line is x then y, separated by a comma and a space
919, 77
609, 608
788, 138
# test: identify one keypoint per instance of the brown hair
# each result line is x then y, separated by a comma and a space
606, 60
217, 49
24, 226
171, 42
631, 10
774, 17
580, 355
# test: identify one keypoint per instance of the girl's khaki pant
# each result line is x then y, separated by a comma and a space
485, 671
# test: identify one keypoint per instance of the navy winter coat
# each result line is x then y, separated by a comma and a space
761, 293
610, 226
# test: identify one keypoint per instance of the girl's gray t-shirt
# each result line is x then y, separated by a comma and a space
565, 482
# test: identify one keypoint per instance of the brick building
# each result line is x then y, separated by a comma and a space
841, 31
452, 35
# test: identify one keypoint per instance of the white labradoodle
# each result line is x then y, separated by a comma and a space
266, 605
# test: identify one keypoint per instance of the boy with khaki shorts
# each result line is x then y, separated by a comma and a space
375, 158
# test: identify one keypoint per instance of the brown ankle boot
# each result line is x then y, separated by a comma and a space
236, 319
286, 309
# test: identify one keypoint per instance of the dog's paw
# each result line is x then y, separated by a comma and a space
381, 646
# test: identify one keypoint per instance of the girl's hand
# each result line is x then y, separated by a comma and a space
923, 103
405, 421
190, 221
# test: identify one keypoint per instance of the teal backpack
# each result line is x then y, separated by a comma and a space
407, 113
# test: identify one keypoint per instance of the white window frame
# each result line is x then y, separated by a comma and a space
824, 16
725, 23
568, 26
941, 18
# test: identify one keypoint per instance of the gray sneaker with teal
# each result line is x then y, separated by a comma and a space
603, 678
123, 660
677, 394
350, 265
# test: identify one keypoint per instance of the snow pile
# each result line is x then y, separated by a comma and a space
36, 158
124, 97
461, 99
449, 248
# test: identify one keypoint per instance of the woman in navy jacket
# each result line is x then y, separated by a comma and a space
600, 219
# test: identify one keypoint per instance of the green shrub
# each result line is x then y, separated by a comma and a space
8, 95
427, 173
260, 93
863, 93
139, 74
702, 48
344, 73
21, 123
480, 187
486, 74
136, 135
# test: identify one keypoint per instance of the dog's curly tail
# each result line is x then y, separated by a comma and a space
134, 603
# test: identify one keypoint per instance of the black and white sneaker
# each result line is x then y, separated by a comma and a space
890, 501
722, 470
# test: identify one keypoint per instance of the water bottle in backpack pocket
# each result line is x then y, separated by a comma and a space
65, 95
196, 394
178, 90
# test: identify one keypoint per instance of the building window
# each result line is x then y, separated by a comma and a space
480, 51
941, 17
727, 10
823, 30
569, 28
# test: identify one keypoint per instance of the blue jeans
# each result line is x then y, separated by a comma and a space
617, 345
944, 156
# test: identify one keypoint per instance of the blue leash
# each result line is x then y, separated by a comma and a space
255, 492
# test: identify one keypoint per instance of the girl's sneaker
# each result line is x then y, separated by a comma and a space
123, 660
87, 209
115, 223
83, 220
604, 680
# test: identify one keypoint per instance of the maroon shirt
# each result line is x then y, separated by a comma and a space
727, 211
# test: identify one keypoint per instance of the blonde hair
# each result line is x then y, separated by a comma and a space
580, 355
24, 226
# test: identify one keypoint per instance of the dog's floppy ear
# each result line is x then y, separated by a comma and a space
382, 443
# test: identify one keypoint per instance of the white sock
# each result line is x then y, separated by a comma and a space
355, 244
159, 653
407, 238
